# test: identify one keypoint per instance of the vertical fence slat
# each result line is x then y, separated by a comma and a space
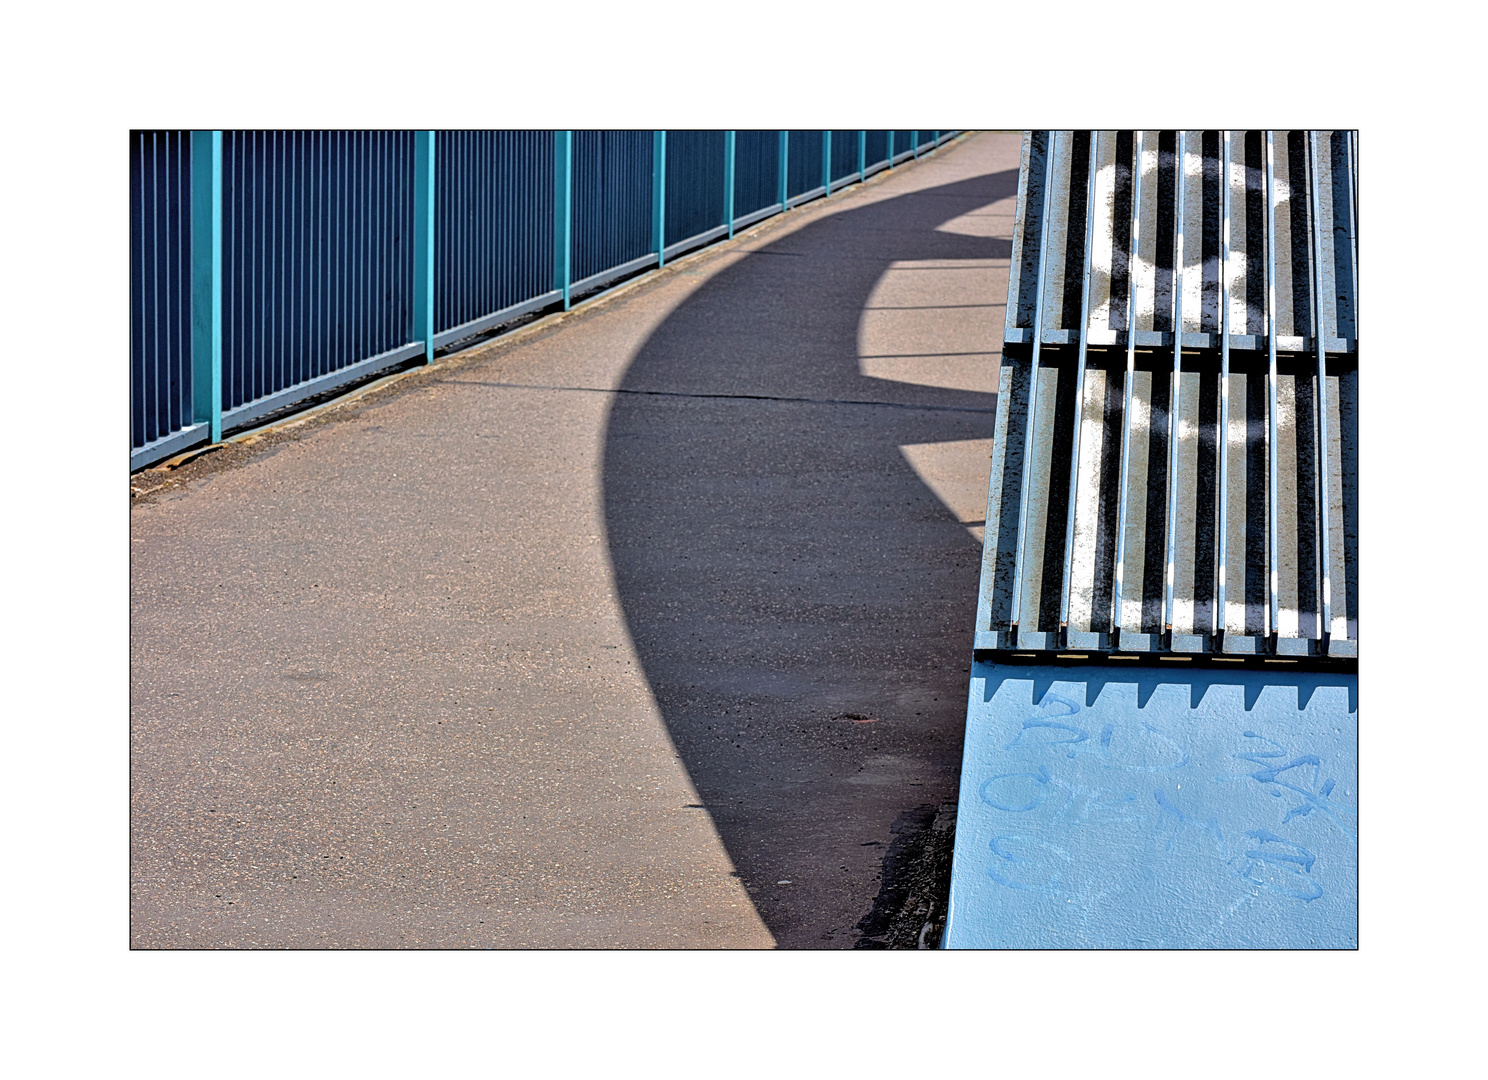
423, 242
730, 140
206, 279
784, 168
658, 196
563, 213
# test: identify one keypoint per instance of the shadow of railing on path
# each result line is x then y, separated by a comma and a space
801, 602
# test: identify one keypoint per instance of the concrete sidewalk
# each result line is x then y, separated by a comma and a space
648, 629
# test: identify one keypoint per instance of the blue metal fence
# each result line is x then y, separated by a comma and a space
845, 154
756, 172
804, 168
612, 189
694, 186
317, 267
493, 231
160, 285
267, 267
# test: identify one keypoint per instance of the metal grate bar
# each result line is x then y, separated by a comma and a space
1224, 388
1122, 508
1319, 335
1273, 615
1028, 427
1175, 389
1074, 476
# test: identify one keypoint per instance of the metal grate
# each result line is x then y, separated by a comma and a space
694, 184
1156, 495
160, 388
493, 231
317, 257
804, 163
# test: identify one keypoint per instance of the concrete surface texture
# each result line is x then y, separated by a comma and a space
649, 629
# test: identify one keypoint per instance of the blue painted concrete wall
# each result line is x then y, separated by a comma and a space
1110, 808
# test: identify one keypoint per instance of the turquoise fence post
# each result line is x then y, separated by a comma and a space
862, 156
914, 142
563, 213
423, 241
784, 171
827, 162
891, 149
658, 195
728, 181
206, 280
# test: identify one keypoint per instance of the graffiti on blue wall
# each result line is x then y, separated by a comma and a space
1102, 808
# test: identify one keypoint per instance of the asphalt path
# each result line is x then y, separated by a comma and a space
648, 627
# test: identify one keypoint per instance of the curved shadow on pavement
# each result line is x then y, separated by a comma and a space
801, 602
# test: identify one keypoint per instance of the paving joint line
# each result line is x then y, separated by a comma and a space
722, 397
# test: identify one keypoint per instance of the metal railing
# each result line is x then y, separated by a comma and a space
268, 268
316, 278
162, 411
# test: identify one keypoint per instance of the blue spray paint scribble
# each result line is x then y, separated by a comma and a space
1102, 806
1077, 735
1211, 827
1070, 707
1231, 856
1314, 796
1285, 863
1024, 867
1050, 710
1182, 752
1041, 778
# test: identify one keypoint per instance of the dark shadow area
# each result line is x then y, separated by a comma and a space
802, 603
